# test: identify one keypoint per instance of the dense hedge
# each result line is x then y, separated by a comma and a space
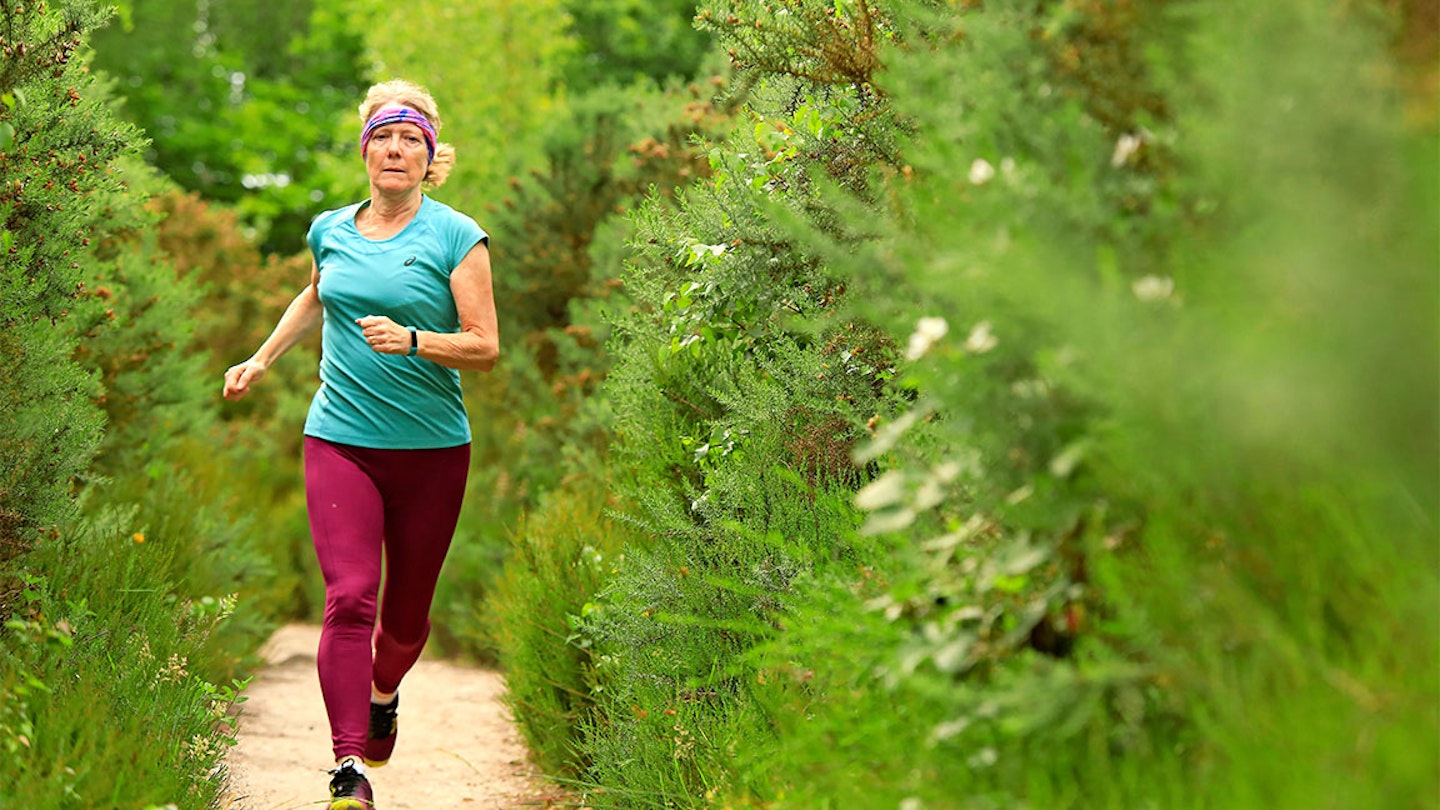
1035, 406
118, 566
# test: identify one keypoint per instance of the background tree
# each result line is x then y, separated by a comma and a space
57, 150
620, 41
494, 100
237, 115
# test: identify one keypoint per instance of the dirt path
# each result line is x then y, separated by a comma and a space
457, 745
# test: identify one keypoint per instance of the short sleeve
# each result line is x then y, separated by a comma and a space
465, 234
321, 225
312, 238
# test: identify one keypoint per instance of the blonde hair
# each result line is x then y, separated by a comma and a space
417, 98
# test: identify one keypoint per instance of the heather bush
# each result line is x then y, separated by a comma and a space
1014, 418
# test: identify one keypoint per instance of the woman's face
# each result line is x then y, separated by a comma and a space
396, 158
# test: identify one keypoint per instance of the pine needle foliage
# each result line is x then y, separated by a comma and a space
1035, 407
740, 384
57, 148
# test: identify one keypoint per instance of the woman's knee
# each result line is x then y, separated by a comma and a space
349, 606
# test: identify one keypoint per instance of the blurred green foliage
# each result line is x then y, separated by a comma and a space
620, 41
240, 101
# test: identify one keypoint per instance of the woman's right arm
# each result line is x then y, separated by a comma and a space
299, 320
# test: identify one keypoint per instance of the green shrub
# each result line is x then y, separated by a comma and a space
560, 555
1161, 425
109, 650
1139, 526
737, 389
733, 522
558, 243
159, 459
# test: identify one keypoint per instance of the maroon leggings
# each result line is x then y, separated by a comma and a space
367, 505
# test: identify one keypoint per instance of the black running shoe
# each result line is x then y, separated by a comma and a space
383, 727
349, 789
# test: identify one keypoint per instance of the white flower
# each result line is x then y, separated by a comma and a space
882, 492
927, 331
888, 434
949, 729
1065, 463
1125, 147
981, 172
1153, 288
983, 758
981, 339
931, 493
698, 252
888, 521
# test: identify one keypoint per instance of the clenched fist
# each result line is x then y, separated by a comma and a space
239, 377
384, 335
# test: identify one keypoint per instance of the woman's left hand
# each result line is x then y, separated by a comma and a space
384, 335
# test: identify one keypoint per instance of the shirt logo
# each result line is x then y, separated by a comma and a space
409, 261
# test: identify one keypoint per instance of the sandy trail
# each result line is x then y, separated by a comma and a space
457, 745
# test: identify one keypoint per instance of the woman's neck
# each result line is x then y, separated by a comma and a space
391, 210
386, 216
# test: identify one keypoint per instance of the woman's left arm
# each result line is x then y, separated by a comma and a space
477, 345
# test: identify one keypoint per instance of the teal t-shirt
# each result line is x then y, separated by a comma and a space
377, 400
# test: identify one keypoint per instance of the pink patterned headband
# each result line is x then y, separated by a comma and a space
398, 115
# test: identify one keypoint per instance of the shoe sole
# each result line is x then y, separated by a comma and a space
350, 804
371, 763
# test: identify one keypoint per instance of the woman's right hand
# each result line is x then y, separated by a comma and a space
239, 377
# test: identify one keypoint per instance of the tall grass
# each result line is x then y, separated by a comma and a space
104, 697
